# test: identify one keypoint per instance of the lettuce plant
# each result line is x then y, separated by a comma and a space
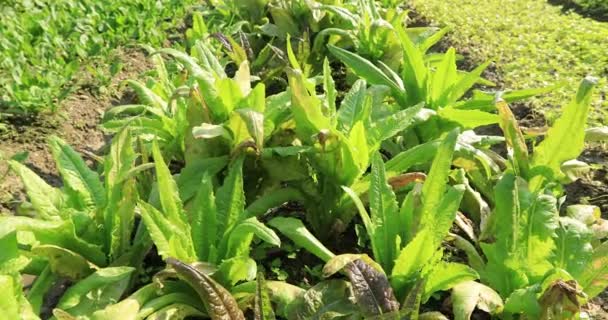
215, 227
535, 257
436, 83
87, 225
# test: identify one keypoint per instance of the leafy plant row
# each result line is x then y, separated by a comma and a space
45, 44
253, 140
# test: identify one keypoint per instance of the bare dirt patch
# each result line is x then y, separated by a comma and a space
77, 123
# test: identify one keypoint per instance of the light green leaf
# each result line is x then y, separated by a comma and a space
468, 119
204, 223
436, 182
230, 199
107, 284
64, 262
469, 295
77, 177
355, 107
295, 230
47, 200
446, 275
568, 130
364, 68
167, 189
384, 213
594, 279
240, 238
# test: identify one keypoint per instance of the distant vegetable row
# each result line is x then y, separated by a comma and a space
44, 44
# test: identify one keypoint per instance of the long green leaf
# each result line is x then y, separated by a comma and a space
230, 198
594, 278
568, 130
204, 220
167, 189
295, 230
77, 176
384, 209
47, 200
240, 238
435, 184
364, 68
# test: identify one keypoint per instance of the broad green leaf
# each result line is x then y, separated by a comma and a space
283, 294
442, 80
13, 304
414, 71
446, 275
77, 177
387, 127
218, 302
9, 304
147, 96
204, 223
128, 307
189, 62
524, 301
364, 68
469, 295
58, 233
446, 213
171, 240
412, 258
176, 311
167, 189
123, 218
594, 279
325, 300
295, 230
243, 78
271, 200
466, 82
573, 248
306, 108
64, 262
192, 174
209, 131
435, 185
526, 223
359, 146
568, 130
468, 119
230, 199
102, 288
384, 213
254, 121
47, 200
240, 238
234, 270
355, 107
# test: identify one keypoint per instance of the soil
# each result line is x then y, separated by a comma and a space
77, 123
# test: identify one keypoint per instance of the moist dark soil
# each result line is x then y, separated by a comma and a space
77, 122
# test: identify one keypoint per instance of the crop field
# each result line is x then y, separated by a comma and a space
335, 159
